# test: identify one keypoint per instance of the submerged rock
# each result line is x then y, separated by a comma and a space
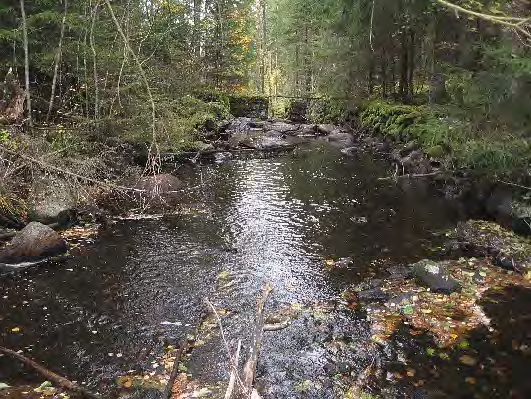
373, 295
434, 276
34, 242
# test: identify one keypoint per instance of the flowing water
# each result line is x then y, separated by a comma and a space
141, 285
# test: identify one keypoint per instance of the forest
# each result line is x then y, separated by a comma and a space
128, 69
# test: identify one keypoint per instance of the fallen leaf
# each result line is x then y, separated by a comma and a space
468, 360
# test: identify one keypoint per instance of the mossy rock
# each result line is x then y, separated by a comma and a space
249, 106
490, 239
436, 151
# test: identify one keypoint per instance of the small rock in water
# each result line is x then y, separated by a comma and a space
434, 276
373, 295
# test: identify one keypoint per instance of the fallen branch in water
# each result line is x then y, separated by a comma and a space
232, 361
50, 375
412, 176
249, 371
49, 167
183, 348
514, 184
234, 372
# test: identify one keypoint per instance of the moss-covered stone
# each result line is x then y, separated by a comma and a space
483, 238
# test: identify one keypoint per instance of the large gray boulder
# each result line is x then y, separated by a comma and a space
51, 199
433, 275
283, 127
341, 139
34, 242
325, 129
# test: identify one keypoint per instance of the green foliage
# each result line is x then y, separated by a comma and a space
329, 111
180, 122
441, 134
5, 136
65, 142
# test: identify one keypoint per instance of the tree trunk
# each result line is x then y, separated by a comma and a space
26, 62
198, 5
58, 57
94, 13
263, 45
12, 105
297, 67
384, 77
411, 66
307, 61
370, 86
404, 63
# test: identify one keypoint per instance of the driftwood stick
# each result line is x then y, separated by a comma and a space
234, 372
249, 371
50, 375
232, 361
183, 348
410, 176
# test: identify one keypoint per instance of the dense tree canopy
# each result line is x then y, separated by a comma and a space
470, 53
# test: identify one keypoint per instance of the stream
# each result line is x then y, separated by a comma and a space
141, 285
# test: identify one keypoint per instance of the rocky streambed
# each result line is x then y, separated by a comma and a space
382, 288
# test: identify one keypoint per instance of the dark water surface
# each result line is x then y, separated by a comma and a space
261, 220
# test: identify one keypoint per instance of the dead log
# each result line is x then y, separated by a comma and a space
50, 375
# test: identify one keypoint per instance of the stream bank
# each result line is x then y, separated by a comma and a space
314, 223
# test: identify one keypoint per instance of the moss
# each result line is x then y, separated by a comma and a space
436, 151
440, 134
179, 123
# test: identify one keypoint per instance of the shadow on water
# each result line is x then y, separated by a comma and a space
114, 305
490, 364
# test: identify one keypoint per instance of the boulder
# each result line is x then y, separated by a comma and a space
283, 127
266, 143
159, 184
52, 199
239, 125
481, 239
434, 276
373, 295
350, 151
326, 129
222, 157
307, 130
34, 242
521, 217
341, 139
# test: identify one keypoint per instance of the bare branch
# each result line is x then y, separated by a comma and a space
518, 24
